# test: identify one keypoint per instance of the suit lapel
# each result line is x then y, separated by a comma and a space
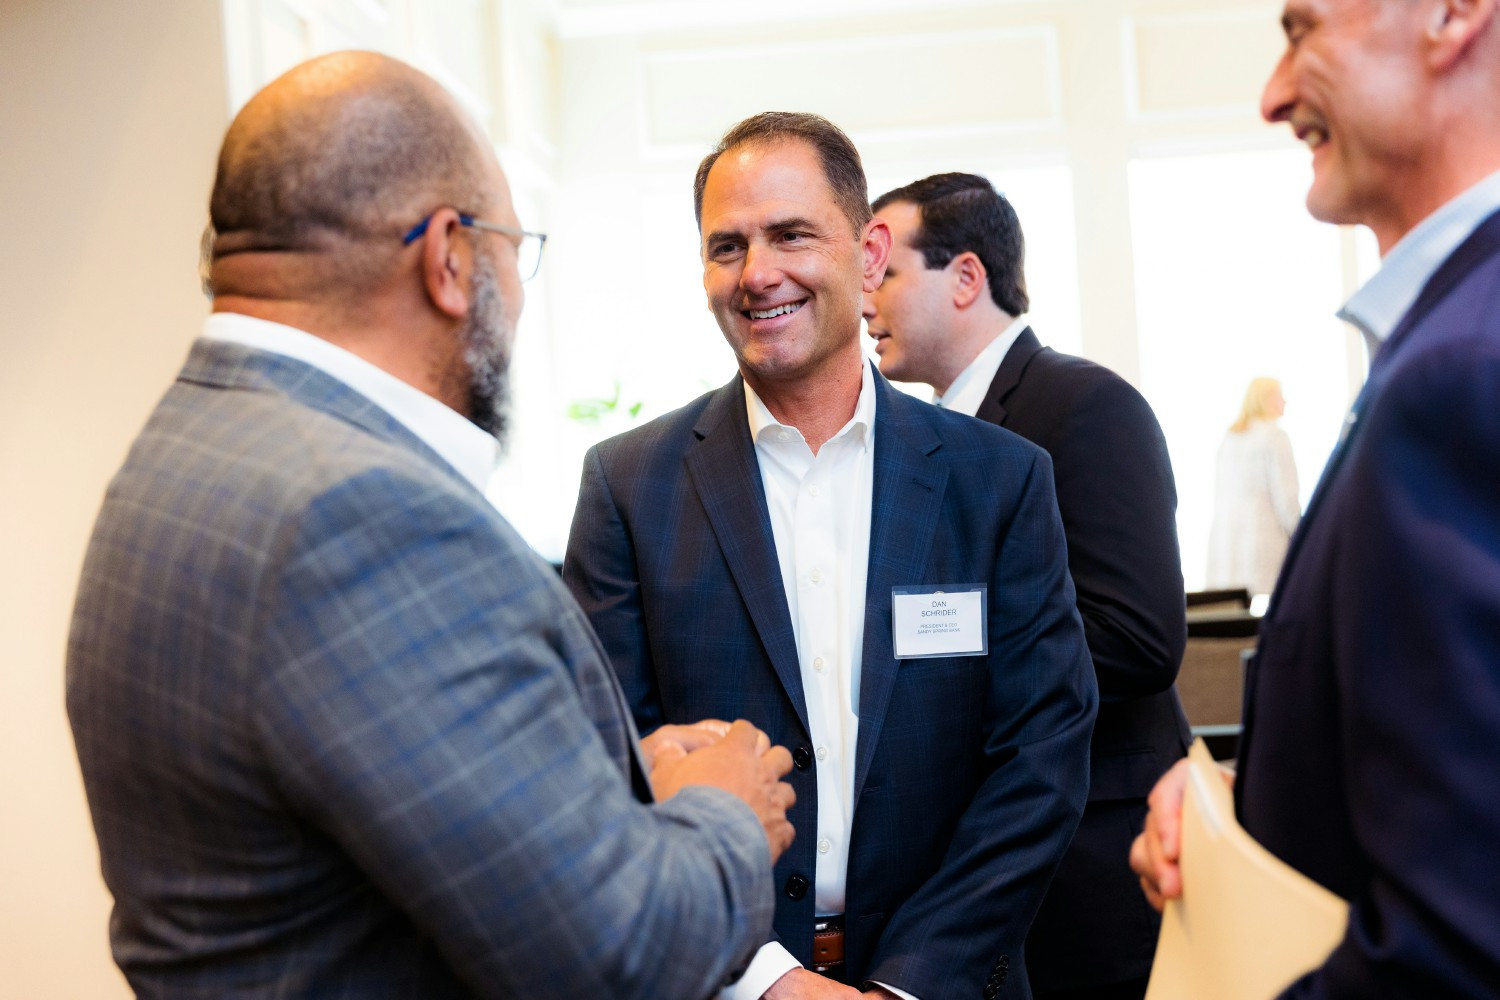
1008, 376
726, 475
1480, 246
906, 498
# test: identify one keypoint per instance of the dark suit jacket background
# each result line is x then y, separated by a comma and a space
1118, 500
1371, 754
970, 772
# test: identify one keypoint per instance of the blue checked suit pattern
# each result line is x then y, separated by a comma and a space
344, 735
970, 772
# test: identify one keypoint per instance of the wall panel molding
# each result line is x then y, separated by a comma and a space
1198, 64
990, 81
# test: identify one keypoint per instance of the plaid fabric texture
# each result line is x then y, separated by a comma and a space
344, 734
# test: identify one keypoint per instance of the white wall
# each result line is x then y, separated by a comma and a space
110, 119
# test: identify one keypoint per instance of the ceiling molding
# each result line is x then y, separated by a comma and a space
650, 16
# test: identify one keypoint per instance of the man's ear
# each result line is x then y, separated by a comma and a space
970, 279
1453, 27
876, 243
445, 262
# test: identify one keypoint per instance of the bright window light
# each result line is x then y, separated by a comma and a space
1235, 280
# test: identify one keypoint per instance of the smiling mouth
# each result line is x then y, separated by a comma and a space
775, 311
1310, 131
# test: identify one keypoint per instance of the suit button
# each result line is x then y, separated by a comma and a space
802, 757
796, 887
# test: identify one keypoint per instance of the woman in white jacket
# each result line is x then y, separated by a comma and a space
1255, 502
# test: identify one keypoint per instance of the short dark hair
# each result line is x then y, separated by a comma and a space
837, 155
964, 212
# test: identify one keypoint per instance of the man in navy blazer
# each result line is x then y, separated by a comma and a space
950, 313
738, 558
1371, 748
342, 732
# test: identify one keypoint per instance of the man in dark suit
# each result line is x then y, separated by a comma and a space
950, 313
1371, 748
342, 732
742, 557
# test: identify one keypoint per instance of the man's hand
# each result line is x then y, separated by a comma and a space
801, 984
686, 738
1154, 853
744, 763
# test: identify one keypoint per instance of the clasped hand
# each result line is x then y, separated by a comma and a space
738, 758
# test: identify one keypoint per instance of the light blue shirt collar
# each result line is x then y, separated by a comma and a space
1380, 303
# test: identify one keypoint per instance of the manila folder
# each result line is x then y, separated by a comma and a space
1247, 925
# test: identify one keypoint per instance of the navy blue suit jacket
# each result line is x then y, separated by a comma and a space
970, 772
1118, 501
1371, 755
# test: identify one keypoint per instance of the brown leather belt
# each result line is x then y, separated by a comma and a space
828, 946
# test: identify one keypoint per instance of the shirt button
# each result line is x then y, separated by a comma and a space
824, 846
814, 490
818, 664
822, 753
817, 576
782, 435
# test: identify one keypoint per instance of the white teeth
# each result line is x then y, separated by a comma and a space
1314, 137
778, 311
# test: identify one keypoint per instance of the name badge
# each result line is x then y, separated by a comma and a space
944, 620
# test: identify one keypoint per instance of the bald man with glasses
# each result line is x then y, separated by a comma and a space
342, 732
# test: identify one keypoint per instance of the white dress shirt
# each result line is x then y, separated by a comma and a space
459, 442
967, 392
820, 521
1380, 303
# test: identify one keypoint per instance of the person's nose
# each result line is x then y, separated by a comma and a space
1279, 95
762, 269
868, 309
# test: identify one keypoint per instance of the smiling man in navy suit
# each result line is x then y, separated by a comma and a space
1372, 713
755, 554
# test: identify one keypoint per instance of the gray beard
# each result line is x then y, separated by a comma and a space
486, 344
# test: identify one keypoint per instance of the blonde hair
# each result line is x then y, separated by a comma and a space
1256, 405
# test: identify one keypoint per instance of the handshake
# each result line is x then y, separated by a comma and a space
738, 758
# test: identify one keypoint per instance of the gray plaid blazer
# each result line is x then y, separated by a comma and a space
344, 734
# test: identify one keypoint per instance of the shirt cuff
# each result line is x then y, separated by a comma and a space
770, 963
899, 992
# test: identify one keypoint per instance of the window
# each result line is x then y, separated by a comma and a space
1234, 280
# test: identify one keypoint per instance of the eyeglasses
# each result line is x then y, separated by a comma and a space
528, 245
